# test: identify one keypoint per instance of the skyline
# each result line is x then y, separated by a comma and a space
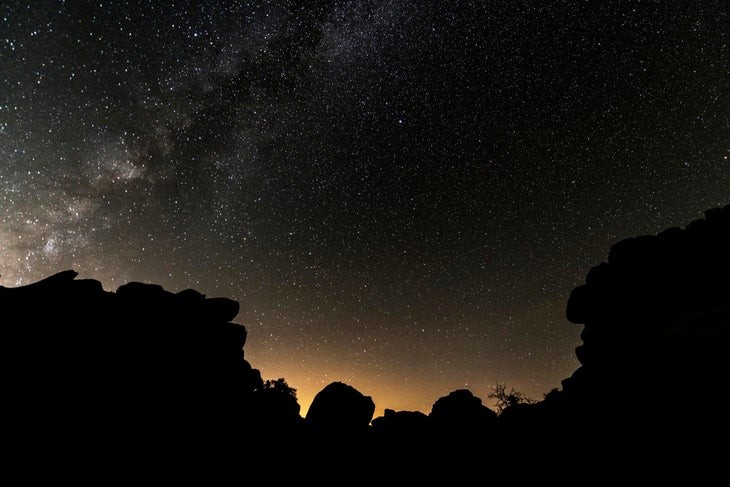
401, 197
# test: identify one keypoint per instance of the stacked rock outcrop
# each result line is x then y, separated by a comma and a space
141, 363
656, 321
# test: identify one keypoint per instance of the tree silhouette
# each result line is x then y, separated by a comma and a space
504, 399
280, 387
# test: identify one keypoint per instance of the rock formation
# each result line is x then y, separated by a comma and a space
144, 365
139, 364
340, 409
656, 321
462, 414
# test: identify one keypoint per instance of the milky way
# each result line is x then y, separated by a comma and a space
401, 195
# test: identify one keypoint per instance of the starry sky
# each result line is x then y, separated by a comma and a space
400, 194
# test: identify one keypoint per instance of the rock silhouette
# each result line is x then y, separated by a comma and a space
655, 319
340, 409
462, 414
146, 367
403, 425
139, 364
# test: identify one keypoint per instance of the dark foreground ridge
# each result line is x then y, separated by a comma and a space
144, 369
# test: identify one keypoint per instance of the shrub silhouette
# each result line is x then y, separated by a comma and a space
504, 399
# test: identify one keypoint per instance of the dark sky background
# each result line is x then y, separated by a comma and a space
401, 195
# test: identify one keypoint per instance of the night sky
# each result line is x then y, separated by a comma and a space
401, 195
